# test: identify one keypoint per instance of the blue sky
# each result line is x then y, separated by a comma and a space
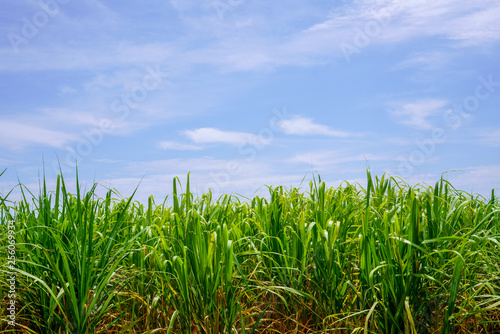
245, 93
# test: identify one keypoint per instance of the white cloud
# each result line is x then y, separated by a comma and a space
67, 90
425, 60
211, 135
329, 158
302, 126
99, 55
491, 138
177, 166
465, 22
170, 145
478, 179
71, 117
256, 46
4, 162
416, 114
220, 175
89, 122
16, 136
185, 5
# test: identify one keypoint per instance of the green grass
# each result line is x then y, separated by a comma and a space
388, 258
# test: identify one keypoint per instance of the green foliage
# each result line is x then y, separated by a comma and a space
390, 258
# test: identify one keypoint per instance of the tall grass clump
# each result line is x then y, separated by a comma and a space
385, 258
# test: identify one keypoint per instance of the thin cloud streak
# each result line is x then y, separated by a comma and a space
17, 136
211, 135
491, 138
416, 114
462, 23
170, 145
302, 126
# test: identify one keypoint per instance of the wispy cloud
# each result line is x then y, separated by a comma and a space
5, 162
183, 5
71, 117
17, 136
170, 145
424, 60
207, 173
329, 158
211, 135
461, 23
416, 114
252, 47
93, 54
85, 121
67, 90
464, 22
302, 126
480, 179
101, 56
491, 138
